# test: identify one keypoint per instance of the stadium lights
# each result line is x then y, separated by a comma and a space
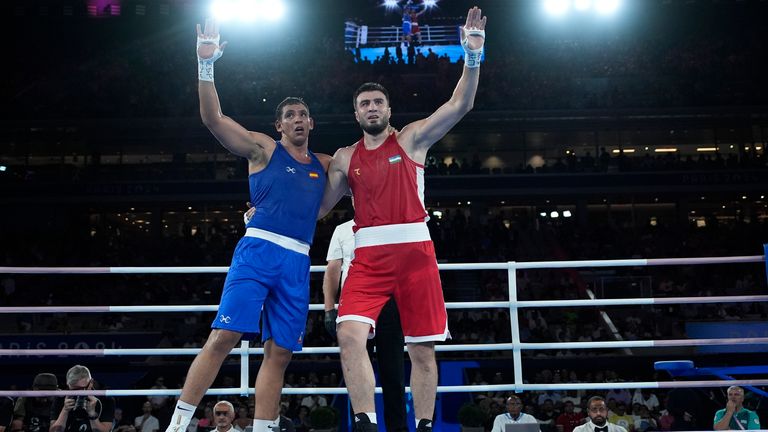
247, 10
706, 149
582, 5
390, 4
567, 213
561, 7
3, 168
607, 7
557, 7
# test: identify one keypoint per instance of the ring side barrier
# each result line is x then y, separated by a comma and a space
516, 346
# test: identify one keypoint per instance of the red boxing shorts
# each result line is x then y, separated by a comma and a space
396, 261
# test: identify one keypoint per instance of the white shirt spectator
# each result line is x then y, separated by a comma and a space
652, 402
591, 427
506, 418
314, 401
151, 424
342, 247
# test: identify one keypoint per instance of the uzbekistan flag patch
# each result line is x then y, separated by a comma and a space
395, 159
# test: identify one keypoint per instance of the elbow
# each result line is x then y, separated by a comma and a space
322, 212
210, 121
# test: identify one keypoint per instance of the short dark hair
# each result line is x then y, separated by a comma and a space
369, 86
290, 100
594, 399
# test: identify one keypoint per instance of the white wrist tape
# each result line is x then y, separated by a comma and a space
205, 66
472, 56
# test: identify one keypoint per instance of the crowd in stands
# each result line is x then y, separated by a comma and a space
641, 410
638, 410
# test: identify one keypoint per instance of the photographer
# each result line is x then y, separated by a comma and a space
33, 414
82, 413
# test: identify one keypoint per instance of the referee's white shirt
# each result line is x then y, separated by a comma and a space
590, 427
342, 247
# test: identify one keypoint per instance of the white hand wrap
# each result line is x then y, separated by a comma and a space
472, 56
205, 66
246, 219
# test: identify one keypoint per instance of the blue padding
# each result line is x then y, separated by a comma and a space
674, 367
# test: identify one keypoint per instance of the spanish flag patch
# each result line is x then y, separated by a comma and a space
314, 175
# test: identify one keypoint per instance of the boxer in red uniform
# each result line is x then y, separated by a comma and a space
394, 256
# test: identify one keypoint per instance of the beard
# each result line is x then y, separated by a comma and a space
375, 128
599, 421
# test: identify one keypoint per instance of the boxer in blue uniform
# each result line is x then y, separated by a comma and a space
269, 275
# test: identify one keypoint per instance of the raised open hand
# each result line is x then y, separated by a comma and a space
473, 32
208, 41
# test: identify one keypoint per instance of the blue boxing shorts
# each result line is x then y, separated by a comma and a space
265, 277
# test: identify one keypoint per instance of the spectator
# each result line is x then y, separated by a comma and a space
120, 423
621, 418
645, 397
34, 413
243, 420
643, 420
146, 422
6, 413
598, 418
224, 414
734, 416
620, 396
82, 413
568, 420
513, 415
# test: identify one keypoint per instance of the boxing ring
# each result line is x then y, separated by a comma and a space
513, 305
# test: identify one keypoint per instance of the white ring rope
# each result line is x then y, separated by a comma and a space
515, 347
472, 266
449, 305
440, 348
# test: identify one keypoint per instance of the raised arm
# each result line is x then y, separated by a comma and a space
336, 186
234, 137
420, 135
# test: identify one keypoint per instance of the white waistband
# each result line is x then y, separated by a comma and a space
280, 240
392, 234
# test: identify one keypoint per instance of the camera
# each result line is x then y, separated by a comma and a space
81, 402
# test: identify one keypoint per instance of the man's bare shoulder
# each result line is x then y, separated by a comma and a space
344, 153
325, 160
348, 150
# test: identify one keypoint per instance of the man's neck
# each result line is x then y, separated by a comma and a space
300, 152
223, 429
373, 142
